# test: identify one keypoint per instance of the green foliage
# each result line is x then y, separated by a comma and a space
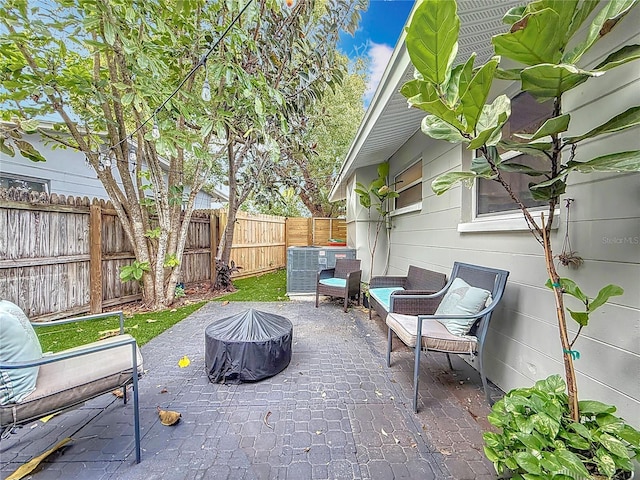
269, 287
538, 438
571, 288
540, 33
134, 271
377, 193
142, 326
171, 261
180, 290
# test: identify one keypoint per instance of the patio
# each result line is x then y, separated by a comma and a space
336, 412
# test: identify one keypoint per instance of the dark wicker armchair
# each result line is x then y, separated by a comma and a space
435, 335
418, 281
343, 281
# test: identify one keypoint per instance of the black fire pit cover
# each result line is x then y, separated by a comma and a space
247, 347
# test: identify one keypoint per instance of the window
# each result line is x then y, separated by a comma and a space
526, 117
28, 184
408, 184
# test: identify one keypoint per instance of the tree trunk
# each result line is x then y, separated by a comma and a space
570, 374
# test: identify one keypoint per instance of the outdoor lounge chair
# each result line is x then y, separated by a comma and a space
456, 321
40, 385
343, 281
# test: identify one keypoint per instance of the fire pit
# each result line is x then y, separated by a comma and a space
247, 347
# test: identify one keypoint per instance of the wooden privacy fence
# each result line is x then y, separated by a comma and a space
61, 256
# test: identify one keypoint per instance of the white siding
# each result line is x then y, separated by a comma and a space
66, 171
523, 344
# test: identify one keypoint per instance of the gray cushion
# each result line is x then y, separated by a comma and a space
18, 343
75, 380
435, 336
461, 299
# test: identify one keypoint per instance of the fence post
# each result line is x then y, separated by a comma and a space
95, 258
213, 235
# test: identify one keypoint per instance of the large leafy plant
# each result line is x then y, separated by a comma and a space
375, 198
547, 44
539, 439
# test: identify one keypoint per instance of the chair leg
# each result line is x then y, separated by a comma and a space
484, 381
124, 393
136, 406
449, 360
346, 302
416, 367
389, 347
316, 298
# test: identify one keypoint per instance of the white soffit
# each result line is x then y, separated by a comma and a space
388, 122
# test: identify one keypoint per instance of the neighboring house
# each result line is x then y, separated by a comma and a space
66, 172
479, 225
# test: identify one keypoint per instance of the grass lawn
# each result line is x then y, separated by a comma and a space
270, 287
142, 326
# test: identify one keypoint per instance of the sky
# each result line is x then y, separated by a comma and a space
380, 28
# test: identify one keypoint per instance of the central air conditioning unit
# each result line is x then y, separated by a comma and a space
304, 263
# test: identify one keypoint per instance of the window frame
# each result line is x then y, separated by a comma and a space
25, 178
415, 206
509, 220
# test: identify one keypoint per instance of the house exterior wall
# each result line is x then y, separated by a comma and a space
604, 228
66, 172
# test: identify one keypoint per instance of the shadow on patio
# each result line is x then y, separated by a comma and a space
336, 412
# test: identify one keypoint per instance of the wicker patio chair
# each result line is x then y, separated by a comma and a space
343, 281
471, 328
35, 385
419, 281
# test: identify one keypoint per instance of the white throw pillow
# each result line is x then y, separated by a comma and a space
461, 299
18, 343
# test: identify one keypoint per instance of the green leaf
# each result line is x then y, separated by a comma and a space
528, 462
519, 168
28, 151
631, 435
513, 15
614, 445
593, 407
605, 20
576, 441
550, 462
30, 126
437, 128
127, 98
432, 39
491, 121
444, 182
580, 15
109, 33
606, 464
474, 98
545, 191
603, 296
626, 54
627, 119
551, 126
532, 442
553, 384
545, 81
491, 454
615, 162
581, 317
423, 95
533, 148
572, 462
532, 40
6, 148
511, 74
570, 287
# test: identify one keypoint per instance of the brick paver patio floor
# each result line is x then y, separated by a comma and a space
337, 412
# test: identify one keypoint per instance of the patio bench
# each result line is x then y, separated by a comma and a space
419, 281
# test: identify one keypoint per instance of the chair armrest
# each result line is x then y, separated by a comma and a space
387, 281
97, 316
354, 278
326, 273
76, 352
415, 302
